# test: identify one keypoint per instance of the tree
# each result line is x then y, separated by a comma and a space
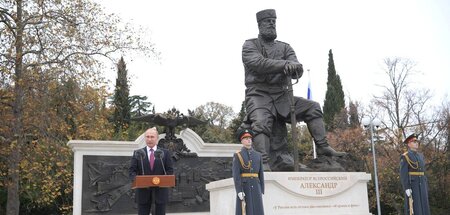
438, 158
121, 101
334, 103
404, 109
236, 122
218, 117
218, 114
139, 107
52, 39
354, 115
56, 111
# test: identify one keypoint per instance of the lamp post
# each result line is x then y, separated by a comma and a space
370, 123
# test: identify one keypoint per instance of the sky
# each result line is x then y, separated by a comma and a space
200, 42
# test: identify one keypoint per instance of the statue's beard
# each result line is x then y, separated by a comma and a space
268, 34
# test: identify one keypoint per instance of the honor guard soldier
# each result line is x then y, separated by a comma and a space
248, 175
413, 179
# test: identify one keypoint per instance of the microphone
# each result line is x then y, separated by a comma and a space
141, 152
160, 154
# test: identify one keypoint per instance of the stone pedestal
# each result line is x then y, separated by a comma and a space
314, 193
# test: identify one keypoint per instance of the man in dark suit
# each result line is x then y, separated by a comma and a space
151, 160
414, 181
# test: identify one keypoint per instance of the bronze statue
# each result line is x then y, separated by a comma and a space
267, 64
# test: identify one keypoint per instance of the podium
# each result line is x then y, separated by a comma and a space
144, 181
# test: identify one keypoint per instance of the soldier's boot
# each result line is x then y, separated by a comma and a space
261, 143
317, 129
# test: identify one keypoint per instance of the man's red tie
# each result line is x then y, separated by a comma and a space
152, 158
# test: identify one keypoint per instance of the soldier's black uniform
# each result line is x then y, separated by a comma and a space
412, 176
248, 176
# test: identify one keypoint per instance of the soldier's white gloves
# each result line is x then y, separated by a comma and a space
408, 192
241, 195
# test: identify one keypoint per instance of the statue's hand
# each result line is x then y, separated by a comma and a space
295, 70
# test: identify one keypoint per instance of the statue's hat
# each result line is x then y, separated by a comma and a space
268, 13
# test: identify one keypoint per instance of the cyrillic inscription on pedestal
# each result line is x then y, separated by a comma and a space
302, 193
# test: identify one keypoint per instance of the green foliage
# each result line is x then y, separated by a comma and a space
334, 103
304, 142
121, 102
139, 107
236, 122
354, 116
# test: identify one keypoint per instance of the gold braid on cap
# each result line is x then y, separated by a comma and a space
249, 164
412, 164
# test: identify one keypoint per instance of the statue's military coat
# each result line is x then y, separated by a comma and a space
253, 187
412, 161
266, 84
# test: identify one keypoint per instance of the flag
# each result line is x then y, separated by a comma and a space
308, 93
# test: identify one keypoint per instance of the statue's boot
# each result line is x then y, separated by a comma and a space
261, 143
317, 129
328, 151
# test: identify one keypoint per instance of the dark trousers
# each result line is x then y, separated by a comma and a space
144, 209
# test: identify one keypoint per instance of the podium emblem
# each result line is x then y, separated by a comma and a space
156, 180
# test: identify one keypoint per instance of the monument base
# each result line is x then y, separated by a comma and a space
300, 193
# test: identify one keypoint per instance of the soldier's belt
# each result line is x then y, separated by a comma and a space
249, 175
416, 173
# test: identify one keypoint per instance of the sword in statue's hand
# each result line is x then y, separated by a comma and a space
291, 71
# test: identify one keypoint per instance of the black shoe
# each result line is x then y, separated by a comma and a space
328, 151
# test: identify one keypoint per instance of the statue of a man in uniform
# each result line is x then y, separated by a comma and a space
267, 64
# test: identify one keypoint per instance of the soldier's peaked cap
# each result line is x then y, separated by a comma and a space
244, 133
410, 138
268, 13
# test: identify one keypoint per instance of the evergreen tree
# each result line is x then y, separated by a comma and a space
140, 106
236, 122
334, 98
121, 102
354, 115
